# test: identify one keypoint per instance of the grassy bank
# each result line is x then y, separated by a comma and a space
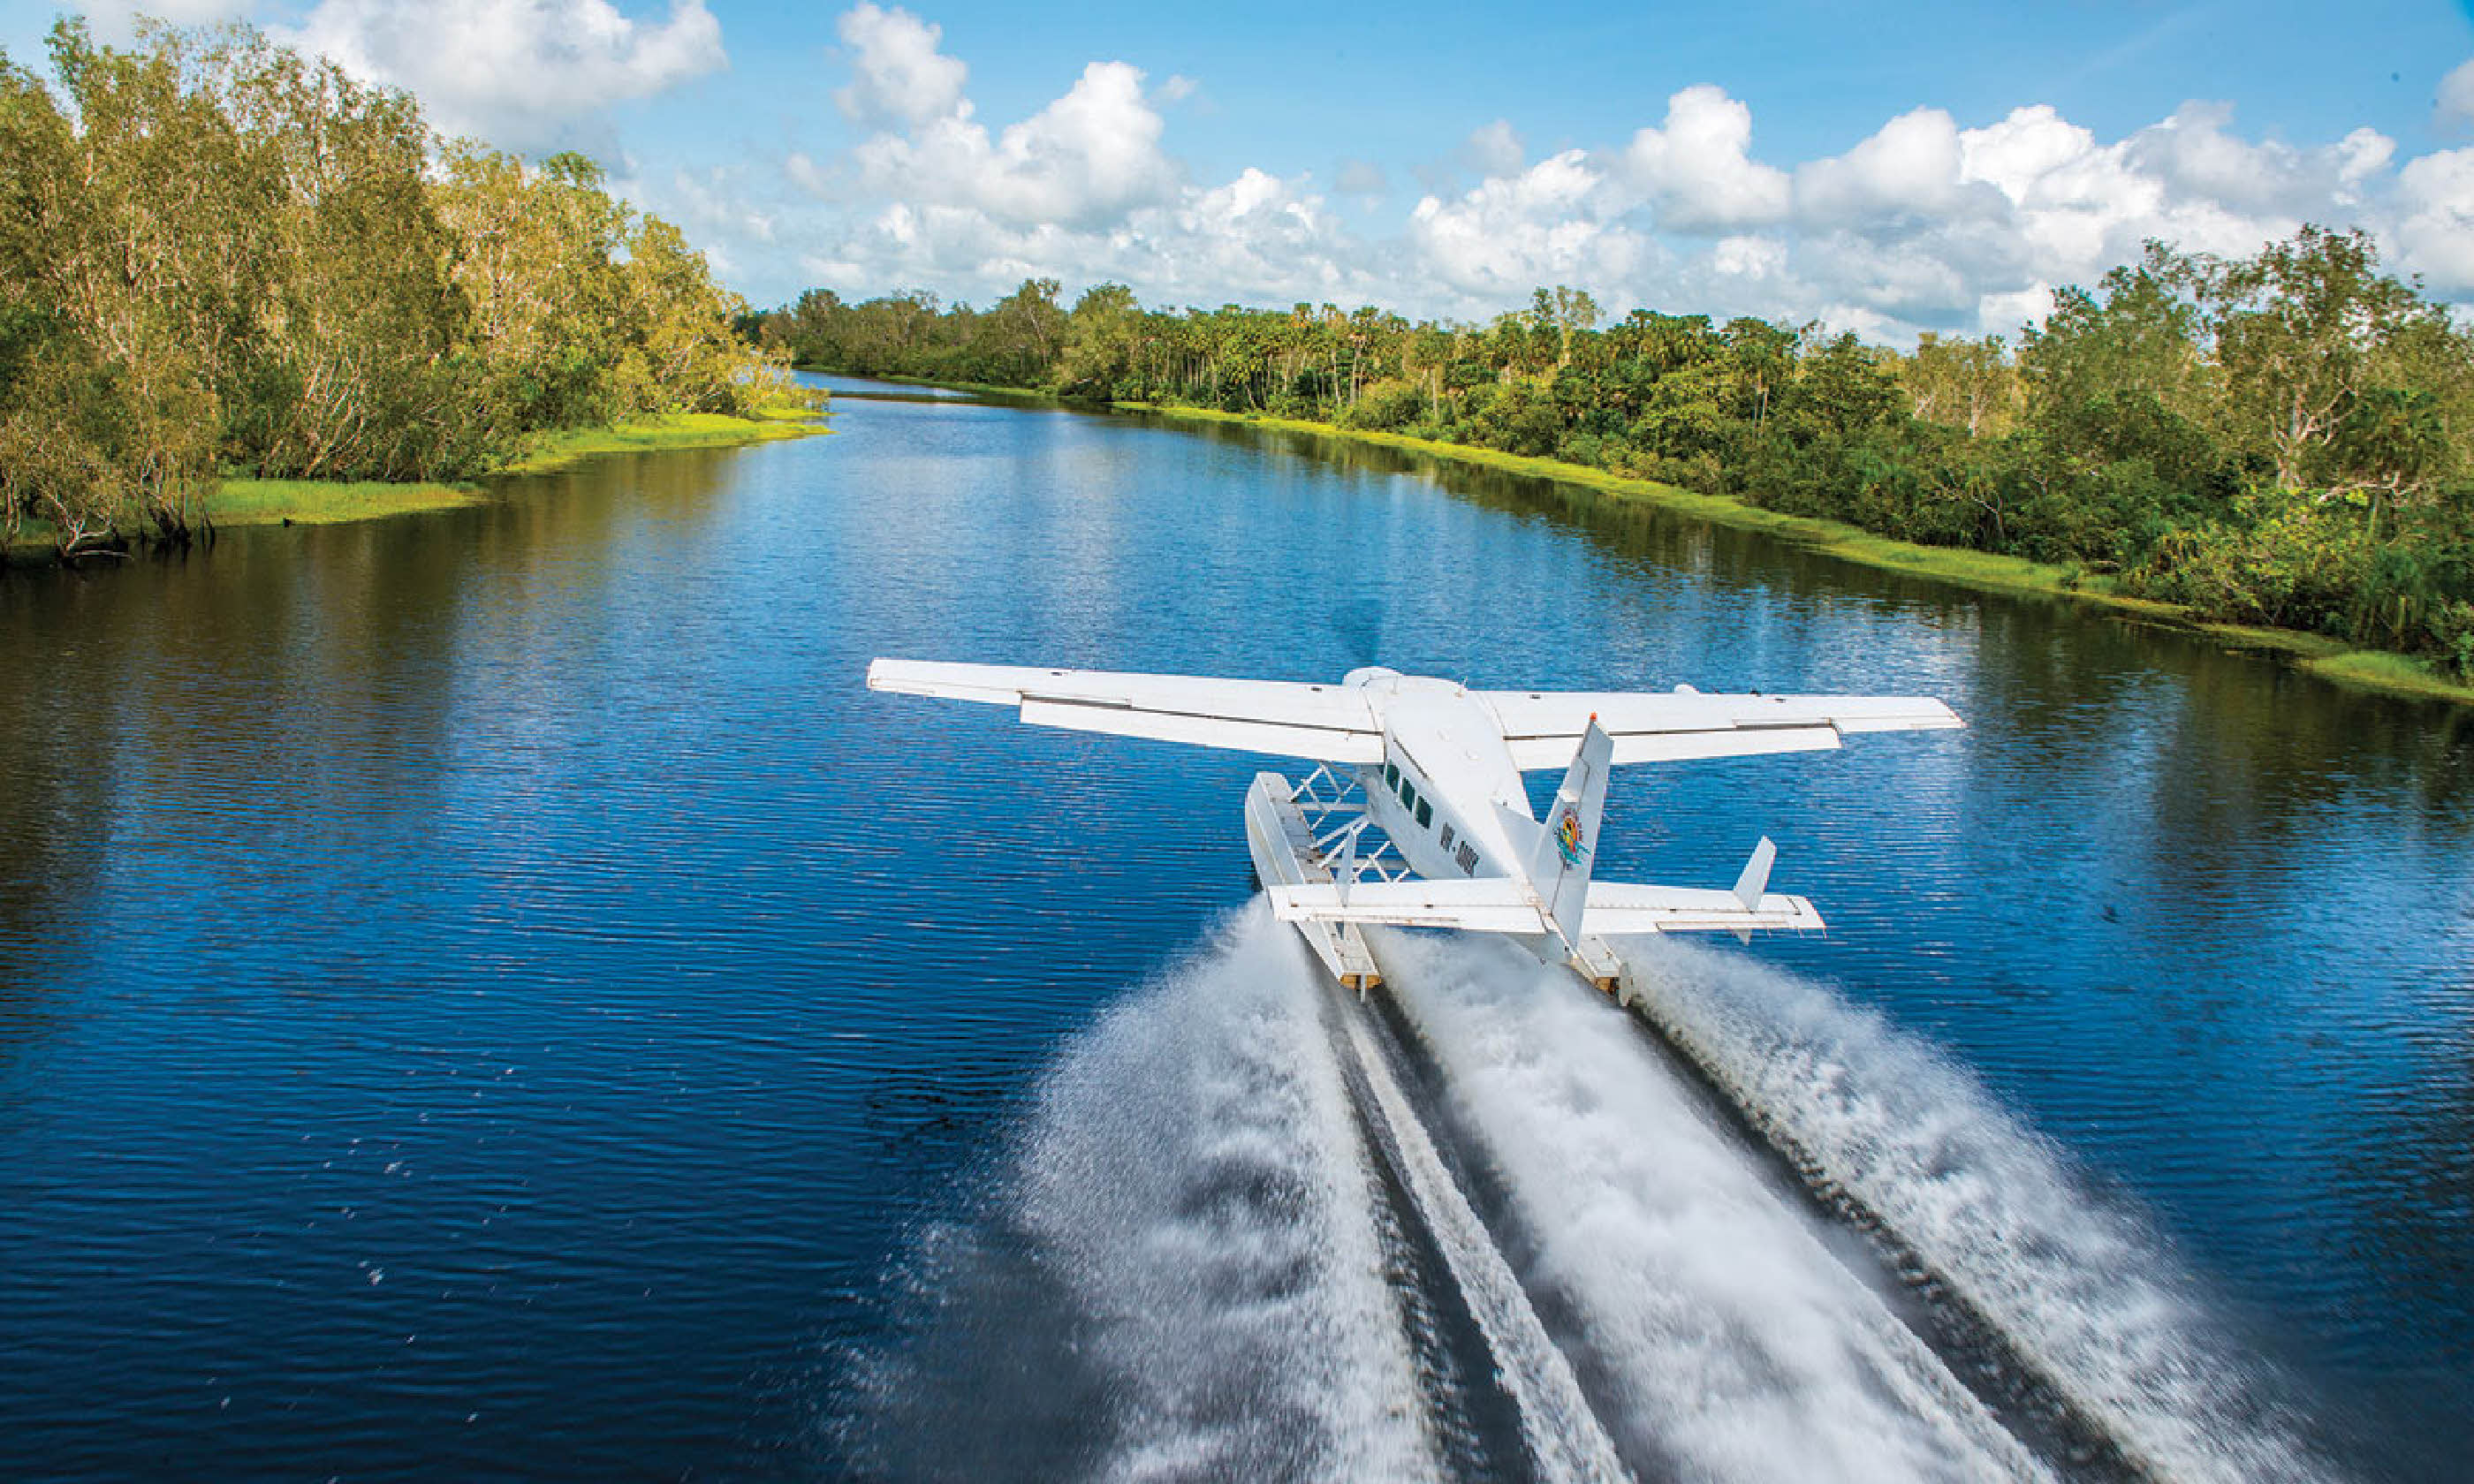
2365, 669
318, 502
669, 431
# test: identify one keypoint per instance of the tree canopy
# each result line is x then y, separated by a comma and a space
220, 258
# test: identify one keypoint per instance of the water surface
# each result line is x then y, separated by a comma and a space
490, 993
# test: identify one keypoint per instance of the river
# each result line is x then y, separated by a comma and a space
490, 993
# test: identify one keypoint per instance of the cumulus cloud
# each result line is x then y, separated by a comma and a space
2455, 102
1492, 148
897, 72
1515, 231
523, 74
2438, 233
1363, 178
1696, 168
1086, 158
1082, 188
1909, 169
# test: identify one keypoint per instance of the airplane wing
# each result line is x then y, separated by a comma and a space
1287, 719
1497, 905
1542, 727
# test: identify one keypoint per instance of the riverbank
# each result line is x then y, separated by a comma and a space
2365, 669
313, 502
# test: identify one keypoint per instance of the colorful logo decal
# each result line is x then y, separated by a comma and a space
1567, 837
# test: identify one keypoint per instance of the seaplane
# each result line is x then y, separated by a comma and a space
1433, 770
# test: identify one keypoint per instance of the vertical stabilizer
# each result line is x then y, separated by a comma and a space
1568, 846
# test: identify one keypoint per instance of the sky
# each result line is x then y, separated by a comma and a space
1889, 168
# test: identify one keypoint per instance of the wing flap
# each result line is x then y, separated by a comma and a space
1530, 754
1318, 743
1287, 703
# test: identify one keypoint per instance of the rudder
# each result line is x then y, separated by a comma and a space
1568, 843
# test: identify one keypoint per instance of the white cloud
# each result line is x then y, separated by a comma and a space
1493, 149
1363, 178
1696, 169
1089, 155
1910, 168
716, 200
2455, 102
2438, 233
1749, 257
2195, 153
897, 75
522, 73
1546, 224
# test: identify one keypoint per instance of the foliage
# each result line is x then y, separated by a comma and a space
220, 258
2287, 438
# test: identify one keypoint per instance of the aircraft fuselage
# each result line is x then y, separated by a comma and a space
1447, 793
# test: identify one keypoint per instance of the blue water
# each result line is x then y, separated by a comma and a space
490, 993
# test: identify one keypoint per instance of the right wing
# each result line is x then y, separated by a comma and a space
1287, 719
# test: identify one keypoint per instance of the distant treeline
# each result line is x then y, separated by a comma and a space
219, 257
2286, 439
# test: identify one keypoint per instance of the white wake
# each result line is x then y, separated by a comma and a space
1727, 1340
2081, 1289
1179, 1261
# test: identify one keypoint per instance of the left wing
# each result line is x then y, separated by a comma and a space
1284, 718
1542, 726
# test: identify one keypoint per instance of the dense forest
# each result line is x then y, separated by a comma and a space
2284, 439
219, 258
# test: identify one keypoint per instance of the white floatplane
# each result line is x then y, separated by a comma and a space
1435, 768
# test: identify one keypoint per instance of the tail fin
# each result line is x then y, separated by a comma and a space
1568, 846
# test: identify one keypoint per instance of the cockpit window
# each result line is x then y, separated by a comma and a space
1425, 812
1391, 774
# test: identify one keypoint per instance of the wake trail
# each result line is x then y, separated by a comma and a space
1564, 1438
1178, 1272
2082, 1289
1703, 1311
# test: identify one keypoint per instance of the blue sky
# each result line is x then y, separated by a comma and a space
1885, 169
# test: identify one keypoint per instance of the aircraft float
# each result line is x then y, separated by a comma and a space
1434, 767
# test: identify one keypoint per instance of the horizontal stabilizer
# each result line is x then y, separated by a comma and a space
1487, 904
1617, 909
1498, 904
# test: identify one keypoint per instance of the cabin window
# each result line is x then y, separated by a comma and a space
1391, 774
1425, 813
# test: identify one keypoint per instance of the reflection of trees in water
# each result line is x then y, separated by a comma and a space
251, 715
58, 672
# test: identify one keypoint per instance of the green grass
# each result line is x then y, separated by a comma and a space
667, 431
319, 502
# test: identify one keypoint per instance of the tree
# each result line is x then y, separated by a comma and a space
2299, 329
